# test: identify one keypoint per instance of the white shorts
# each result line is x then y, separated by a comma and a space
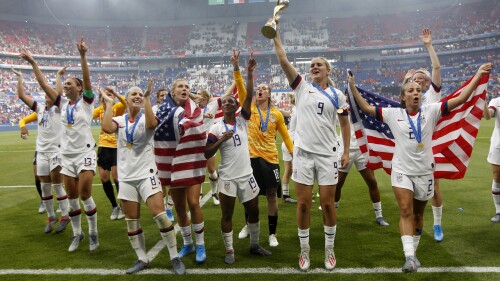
245, 188
308, 167
356, 158
46, 162
73, 164
139, 189
286, 154
422, 186
494, 156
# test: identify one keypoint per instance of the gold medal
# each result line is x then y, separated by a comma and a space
420, 146
70, 126
129, 145
340, 111
40, 123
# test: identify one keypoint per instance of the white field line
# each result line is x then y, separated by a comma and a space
160, 244
264, 270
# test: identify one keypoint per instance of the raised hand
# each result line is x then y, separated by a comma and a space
235, 57
105, 97
350, 79
409, 74
62, 71
26, 55
82, 47
18, 73
426, 36
251, 62
485, 68
149, 89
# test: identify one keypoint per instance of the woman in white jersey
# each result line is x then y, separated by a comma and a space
230, 135
319, 106
431, 92
413, 164
286, 155
48, 155
490, 111
137, 174
209, 105
77, 145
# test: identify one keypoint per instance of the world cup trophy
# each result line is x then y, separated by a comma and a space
269, 29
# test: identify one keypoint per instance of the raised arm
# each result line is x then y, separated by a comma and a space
287, 67
151, 121
247, 103
363, 104
107, 124
51, 92
82, 49
22, 124
426, 38
59, 75
467, 91
20, 89
238, 79
229, 91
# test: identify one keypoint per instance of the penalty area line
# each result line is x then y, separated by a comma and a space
264, 270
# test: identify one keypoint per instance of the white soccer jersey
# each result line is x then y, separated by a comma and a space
155, 108
48, 138
235, 156
316, 118
408, 159
495, 136
77, 137
432, 95
137, 162
293, 122
210, 108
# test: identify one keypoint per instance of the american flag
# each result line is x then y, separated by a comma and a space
452, 141
180, 141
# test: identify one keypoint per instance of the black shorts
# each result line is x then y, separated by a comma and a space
106, 157
267, 176
34, 159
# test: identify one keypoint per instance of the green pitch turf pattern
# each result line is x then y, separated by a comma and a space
471, 240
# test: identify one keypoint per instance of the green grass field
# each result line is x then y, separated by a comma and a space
471, 240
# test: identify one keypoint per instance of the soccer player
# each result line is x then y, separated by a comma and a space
230, 135
413, 164
286, 155
180, 141
319, 105
48, 157
106, 153
494, 154
359, 161
137, 174
77, 144
160, 97
431, 89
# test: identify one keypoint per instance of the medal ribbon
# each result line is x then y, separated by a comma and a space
335, 101
69, 115
227, 129
130, 136
418, 130
263, 125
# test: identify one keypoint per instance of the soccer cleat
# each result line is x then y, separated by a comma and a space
41, 208
410, 265
215, 199
121, 215
304, 261
137, 266
288, 199
229, 259
186, 250
114, 213
170, 215
178, 266
93, 242
438, 233
75, 242
273, 241
259, 251
201, 254
50, 224
63, 222
330, 260
381, 221
243, 233
496, 218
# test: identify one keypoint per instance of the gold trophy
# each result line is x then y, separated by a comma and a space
269, 29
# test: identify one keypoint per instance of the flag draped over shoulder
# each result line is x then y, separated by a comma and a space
452, 141
180, 141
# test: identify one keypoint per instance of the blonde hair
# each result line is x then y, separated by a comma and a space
329, 67
205, 94
175, 83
